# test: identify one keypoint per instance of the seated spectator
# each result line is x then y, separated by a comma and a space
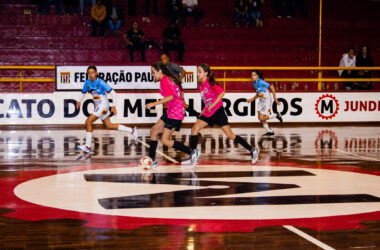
254, 12
364, 59
71, 3
173, 10
241, 10
82, 3
134, 38
190, 8
348, 60
173, 40
98, 18
115, 17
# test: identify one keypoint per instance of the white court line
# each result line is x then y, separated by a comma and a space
159, 152
308, 237
360, 156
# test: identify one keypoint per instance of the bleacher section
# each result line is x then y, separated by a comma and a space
65, 39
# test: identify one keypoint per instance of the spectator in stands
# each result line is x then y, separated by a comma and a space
190, 8
173, 10
71, 3
132, 7
147, 7
134, 38
115, 16
241, 10
57, 7
40, 4
364, 59
348, 60
173, 40
175, 69
254, 12
98, 15
82, 3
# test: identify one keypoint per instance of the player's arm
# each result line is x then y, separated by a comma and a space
114, 101
249, 100
162, 101
84, 92
220, 96
273, 90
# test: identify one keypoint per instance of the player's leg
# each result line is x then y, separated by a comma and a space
89, 129
167, 141
109, 125
237, 139
154, 132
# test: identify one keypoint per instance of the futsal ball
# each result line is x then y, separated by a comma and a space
146, 163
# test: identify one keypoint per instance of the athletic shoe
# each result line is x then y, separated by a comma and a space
84, 148
154, 164
255, 155
194, 157
135, 134
279, 117
186, 162
269, 134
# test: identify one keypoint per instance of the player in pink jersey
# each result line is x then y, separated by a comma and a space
213, 113
171, 120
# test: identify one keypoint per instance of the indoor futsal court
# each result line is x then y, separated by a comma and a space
313, 187
189, 124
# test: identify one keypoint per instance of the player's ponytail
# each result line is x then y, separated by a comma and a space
260, 74
211, 77
160, 66
96, 70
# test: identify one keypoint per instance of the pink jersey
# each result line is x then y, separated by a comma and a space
176, 109
209, 94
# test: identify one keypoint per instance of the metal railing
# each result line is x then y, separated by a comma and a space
318, 79
225, 79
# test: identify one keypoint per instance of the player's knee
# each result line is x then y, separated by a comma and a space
194, 130
165, 141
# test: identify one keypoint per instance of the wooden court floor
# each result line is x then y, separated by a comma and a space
312, 188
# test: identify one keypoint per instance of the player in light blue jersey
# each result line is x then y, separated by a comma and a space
98, 88
264, 108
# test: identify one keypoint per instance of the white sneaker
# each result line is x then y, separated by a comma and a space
194, 157
135, 134
84, 148
186, 162
255, 155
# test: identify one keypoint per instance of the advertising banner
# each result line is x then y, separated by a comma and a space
118, 77
59, 108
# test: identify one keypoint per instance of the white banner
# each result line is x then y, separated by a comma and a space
59, 108
118, 77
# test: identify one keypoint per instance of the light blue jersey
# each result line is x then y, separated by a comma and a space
261, 86
99, 87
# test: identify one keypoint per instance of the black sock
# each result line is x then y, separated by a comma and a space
152, 149
179, 146
193, 141
242, 142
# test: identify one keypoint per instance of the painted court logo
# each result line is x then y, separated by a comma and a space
215, 195
65, 77
327, 106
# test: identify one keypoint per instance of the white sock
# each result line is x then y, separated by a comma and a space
88, 139
272, 116
267, 128
124, 129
